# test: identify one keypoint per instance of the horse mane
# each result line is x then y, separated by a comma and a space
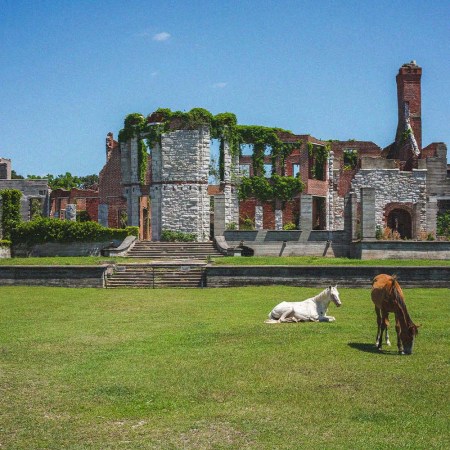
400, 302
320, 295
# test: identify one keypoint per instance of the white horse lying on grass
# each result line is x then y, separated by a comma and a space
310, 310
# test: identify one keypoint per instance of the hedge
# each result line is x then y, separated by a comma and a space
44, 230
177, 236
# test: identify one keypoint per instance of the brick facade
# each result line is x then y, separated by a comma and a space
109, 185
84, 199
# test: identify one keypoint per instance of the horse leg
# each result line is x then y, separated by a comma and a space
388, 342
287, 315
378, 339
399, 341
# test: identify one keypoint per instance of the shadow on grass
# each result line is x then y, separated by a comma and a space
370, 348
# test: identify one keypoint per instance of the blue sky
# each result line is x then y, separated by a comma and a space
71, 70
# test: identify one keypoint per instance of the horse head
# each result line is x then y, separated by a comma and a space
407, 337
334, 295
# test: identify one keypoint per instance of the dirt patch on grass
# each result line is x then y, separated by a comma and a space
205, 435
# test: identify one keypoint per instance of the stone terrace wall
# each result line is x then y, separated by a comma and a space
60, 276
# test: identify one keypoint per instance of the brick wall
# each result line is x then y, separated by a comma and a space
109, 185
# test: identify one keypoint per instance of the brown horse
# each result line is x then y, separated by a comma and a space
387, 295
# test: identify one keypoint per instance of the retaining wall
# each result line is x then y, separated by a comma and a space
319, 276
401, 250
63, 249
61, 276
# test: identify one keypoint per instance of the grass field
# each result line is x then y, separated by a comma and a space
198, 369
231, 260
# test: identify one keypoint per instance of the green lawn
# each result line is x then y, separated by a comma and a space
230, 260
199, 369
320, 261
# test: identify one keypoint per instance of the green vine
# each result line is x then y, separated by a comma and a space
142, 161
133, 125
274, 188
222, 126
319, 155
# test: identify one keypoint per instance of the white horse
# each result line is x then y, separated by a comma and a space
312, 309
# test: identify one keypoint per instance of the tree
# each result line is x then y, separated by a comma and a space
16, 176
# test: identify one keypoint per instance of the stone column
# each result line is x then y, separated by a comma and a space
71, 212
330, 198
305, 215
368, 213
432, 210
103, 215
278, 219
259, 217
351, 216
219, 215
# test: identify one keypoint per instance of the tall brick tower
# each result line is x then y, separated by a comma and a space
409, 97
408, 139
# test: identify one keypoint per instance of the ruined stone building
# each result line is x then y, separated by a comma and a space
401, 187
35, 193
350, 188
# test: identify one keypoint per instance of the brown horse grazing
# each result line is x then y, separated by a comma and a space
387, 295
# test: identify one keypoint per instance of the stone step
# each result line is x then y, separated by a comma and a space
175, 250
156, 276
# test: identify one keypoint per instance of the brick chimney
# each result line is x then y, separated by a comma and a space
409, 99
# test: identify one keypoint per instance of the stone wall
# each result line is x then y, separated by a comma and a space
393, 186
401, 250
179, 190
321, 277
291, 243
30, 189
58, 276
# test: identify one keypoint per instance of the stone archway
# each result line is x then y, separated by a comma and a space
400, 220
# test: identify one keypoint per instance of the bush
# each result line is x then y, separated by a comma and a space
10, 211
43, 230
443, 224
246, 224
177, 236
5, 243
289, 226
83, 216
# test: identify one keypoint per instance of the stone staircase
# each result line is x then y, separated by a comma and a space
173, 250
158, 275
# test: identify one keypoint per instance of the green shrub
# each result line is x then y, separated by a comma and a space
443, 224
289, 226
132, 231
5, 243
44, 230
83, 216
177, 236
246, 224
10, 211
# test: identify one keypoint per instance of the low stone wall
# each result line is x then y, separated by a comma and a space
320, 276
291, 243
375, 249
60, 276
63, 249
